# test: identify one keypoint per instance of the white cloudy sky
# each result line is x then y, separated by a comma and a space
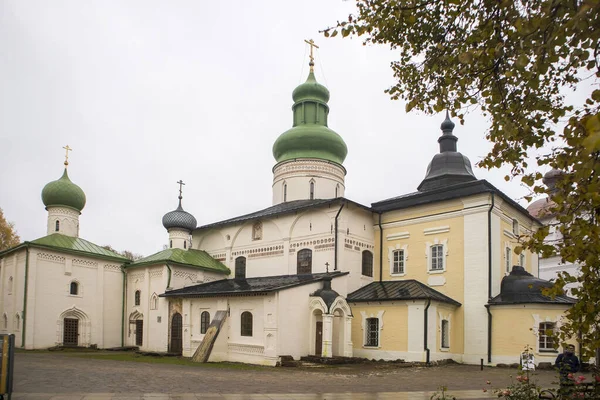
150, 92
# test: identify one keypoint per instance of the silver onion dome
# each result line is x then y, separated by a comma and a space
179, 219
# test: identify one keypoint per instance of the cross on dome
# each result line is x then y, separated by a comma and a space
67, 150
312, 45
180, 182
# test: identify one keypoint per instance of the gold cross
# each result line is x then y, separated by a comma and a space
312, 45
180, 188
67, 150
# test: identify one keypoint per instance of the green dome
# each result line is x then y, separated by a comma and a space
311, 90
63, 192
310, 137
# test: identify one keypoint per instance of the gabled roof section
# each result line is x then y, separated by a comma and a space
249, 286
409, 289
446, 193
190, 258
70, 244
283, 208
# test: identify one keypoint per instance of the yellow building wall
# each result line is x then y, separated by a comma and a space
515, 327
456, 328
394, 334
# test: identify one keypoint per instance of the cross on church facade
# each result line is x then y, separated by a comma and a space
312, 45
67, 150
180, 182
327, 267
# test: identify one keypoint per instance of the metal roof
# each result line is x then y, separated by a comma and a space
283, 208
70, 244
409, 289
191, 257
248, 286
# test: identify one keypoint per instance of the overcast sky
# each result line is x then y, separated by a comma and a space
150, 92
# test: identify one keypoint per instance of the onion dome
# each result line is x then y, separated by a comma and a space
551, 177
540, 208
310, 137
326, 293
448, 167
63, 192
179, 218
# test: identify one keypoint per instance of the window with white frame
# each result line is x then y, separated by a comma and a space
515, 227
372, 332
154, 302
546, 336
508, 256
522, 260
204, 321
445, 334
436, 253
398, 262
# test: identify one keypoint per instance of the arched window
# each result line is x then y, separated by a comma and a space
304, 262
246, 323
138, 295
154, 302
337, 191
185, 244
312, 190
284, 192
170, 244
367, 263
57, 226
5, 320
240, 268
74, 288
445, 334
10, 285
18, 322
204, 321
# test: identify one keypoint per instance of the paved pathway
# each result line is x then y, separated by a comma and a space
44, 376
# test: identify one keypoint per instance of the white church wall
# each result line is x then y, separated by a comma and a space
355, 236
12, 274
113, 304
65, 219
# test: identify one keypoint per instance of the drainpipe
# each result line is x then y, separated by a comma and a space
24, 312
123, 308
489, 349
380, 250
425, 328
335, 241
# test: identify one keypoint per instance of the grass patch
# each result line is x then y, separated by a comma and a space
133, 357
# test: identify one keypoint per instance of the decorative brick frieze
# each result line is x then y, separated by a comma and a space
51, 258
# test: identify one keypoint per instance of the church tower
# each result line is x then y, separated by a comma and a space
309, 155
179, 224
64, 201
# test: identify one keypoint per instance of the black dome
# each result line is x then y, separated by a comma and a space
179, 219
448, 167
326, 293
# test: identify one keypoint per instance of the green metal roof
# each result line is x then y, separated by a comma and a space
69, 244
192, 258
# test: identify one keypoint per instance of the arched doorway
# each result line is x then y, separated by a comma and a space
136, 328
176, 334
74, 328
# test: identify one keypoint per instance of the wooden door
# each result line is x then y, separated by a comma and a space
176, 334
71, 332
139, 332
319, 338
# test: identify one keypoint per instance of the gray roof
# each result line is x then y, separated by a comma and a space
520, 287
283, 208
446, 193
249, 286
409, 289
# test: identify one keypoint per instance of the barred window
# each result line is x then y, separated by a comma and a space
240, 268
138, 295
398, 264
445, 334
372, 334
204, 321
546, 336
437, 257
508, 259
246, 323
367, 263
304, 262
